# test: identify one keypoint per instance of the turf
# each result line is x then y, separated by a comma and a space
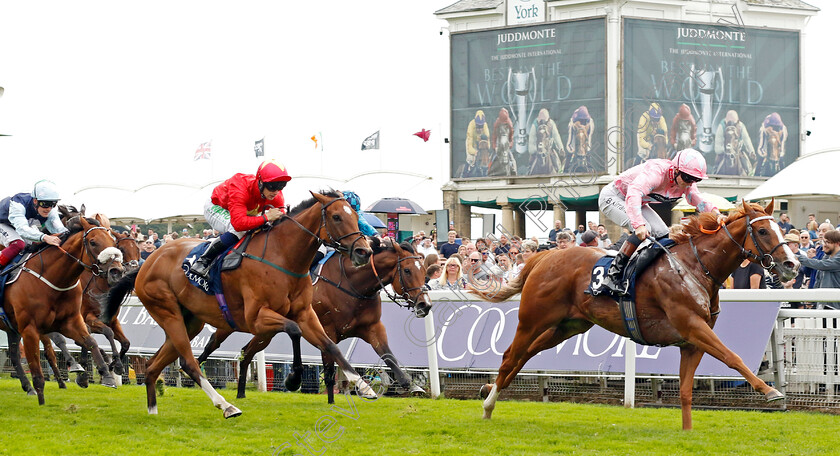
101, 421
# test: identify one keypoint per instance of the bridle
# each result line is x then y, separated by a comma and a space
769, 264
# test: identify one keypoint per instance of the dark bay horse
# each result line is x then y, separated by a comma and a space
348, 304
47, 297
270, 292
93, 286
676, 305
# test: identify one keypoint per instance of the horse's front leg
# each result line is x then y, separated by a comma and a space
76, 329
98, 327
14, 356
689, 360
378, 339
49, 353
254, 346
31, 347
314, 333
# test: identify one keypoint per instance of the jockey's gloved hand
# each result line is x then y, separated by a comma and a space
642, 232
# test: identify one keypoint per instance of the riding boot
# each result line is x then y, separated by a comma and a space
201, 267
613, 281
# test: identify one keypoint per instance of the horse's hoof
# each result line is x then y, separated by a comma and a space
415, 390
292, 381
153, 410
487, 414
232, 412
82, 380
31, 392
364, 390
41, 399
109, 381
76, 367
485, 390
117, 367
240, 395
62, 386
773, 395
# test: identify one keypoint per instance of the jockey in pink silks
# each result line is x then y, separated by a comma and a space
626, 202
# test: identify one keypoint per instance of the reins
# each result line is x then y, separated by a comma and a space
334, 243
93, 267
760, 258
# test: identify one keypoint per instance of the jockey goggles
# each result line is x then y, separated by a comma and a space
274, 186
47, 203
689, 179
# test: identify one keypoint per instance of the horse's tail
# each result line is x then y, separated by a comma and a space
111, 301
514, 286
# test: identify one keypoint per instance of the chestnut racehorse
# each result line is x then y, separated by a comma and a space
348, 304
676, 305
268, 293
47, 297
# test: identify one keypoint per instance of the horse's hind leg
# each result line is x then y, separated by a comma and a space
523, 349
61, 343
254, 346
49, 352
177, 328
329, 377
14, 356
98, 327
119, 335
76, 329
268, 323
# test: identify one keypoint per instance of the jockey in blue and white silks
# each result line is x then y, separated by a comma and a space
22, 215
356, 203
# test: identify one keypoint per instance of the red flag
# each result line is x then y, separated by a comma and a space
203, 152
423, 134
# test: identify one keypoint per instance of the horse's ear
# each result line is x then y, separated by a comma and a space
103, 220
85, 224
770, 207
318, 197
82, 210
746, 206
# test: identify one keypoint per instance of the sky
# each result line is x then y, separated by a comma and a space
122, 93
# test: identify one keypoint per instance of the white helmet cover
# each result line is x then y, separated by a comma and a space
45, 191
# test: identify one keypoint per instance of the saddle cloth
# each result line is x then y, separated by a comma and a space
644, 256
8, 276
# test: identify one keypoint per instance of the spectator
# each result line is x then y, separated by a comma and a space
471, 248
450, 246
603, 237
452, 278
812, 227
504, 245
530, 248
515, 243
578, 233
462, 250
805, 241
748, 276
516, 268
589, 239
792, 239
552, 235
563, 240
433, 272
147, 248
784, 223
487, 259
828, 267
430, 259
593, 226
503, 261
426, 248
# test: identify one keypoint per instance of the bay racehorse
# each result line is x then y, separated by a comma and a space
348, 304
46, 297
676, 305
268, 293
94, 286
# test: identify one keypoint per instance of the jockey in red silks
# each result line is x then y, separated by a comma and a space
22, 215
240, 204
626, 202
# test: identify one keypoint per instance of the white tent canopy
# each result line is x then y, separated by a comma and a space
808, 176
175, 202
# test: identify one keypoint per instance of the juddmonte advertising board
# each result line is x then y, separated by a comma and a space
731, 92
529, 100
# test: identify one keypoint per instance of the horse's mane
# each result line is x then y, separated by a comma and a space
74, 225
708, 221
307, 203
380, 245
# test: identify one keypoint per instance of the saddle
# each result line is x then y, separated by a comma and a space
645, 254
8, 276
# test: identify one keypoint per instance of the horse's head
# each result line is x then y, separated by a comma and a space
129, 249
97, 249
410, 279
340, 228
763, 242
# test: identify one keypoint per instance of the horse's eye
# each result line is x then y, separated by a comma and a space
407, 271
762, 231
93, 243
336, 217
